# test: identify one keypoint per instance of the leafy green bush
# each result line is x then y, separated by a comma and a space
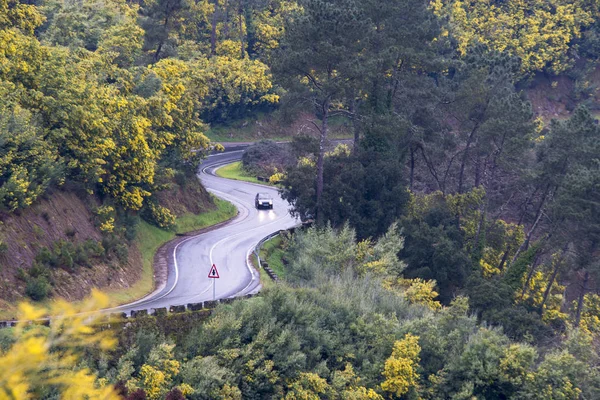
38, 288
266, 158
122, 251
65, 254
129, 224
46, 256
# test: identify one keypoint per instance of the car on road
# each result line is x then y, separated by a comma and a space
263, 200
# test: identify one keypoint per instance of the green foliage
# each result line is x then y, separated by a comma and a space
339, 335
105, 218
367, 190
515, 273
265, 158
38, 288
68, 255
25, 17
322, 253
85, 24
434, 245
3, 248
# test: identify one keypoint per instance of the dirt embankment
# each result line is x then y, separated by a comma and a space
555, 97
60, 216
188, 197
65, 216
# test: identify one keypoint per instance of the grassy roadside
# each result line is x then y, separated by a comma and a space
272, 253
235, 171
150, 238
265, 279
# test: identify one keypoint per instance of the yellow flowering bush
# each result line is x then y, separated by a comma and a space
400, 369
46, 357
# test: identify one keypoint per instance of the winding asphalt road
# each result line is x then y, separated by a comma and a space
228, 247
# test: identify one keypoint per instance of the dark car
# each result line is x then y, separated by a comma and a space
263, 200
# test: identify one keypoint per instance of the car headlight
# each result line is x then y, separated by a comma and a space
270, 201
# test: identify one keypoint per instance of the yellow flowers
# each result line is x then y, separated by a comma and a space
341, 150
46, 357
105, 215
25, 17
276, 177
537, 32
400, 369
162, 216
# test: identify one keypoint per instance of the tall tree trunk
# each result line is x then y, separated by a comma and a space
320, 160
586, 278
241, 28
525, 245
483, 211
504, 258
355, 130
250, 30
463, 163
526, 204
478, 171
485, 203
157, 52
213, 29
166, 36
412, 167
534, 265
553, 277
226, 20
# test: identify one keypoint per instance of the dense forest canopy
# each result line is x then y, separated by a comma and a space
456, 248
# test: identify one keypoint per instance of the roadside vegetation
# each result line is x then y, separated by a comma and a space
237, 172
273, 253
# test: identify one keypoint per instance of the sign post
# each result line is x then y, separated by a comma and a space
214, 274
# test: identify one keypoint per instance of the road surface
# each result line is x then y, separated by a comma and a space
228, 247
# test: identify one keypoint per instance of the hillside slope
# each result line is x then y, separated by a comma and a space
60, 236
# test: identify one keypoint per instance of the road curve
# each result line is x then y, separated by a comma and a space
228, 247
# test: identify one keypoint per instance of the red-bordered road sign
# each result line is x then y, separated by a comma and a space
213, 272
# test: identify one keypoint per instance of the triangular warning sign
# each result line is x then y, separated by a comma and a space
213, 272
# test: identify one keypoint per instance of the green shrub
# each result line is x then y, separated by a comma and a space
3, 247
109, 242
105, 218
37, 270
129, 225
22, 274
266, 157
46, 256
93, 248
122, 251
65, 254
81, 256
38, 288
181, 178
